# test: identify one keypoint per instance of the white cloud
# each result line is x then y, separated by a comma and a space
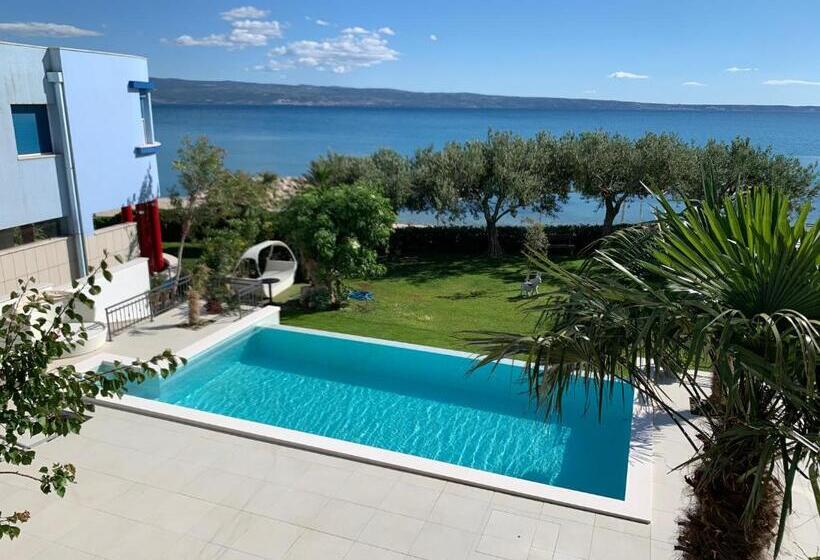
790, 83
387, 31
589, 91
212, 40
433, 37
40, 29
693, 84
736, 69
244, 12
355, 47
621, 75
249, 32
321, 22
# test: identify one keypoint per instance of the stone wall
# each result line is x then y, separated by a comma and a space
119, 240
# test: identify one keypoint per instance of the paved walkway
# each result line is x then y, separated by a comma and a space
154, 489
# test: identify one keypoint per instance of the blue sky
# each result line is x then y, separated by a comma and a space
725, 51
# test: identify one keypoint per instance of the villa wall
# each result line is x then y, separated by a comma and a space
32, 186
49, 261
106, 128
119, 240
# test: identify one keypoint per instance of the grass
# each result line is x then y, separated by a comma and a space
432, 302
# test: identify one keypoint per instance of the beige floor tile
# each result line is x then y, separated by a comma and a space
179, 513
286, 504
222, 487
516, 504
623, 526
664, 526
540, 554
661, 551
344, 519
503, 548
365, 489
511, 527
59, 552
438, 542
362, 551
546, 535
267, 538
322, 479
411, 500
567, 514
614, 545
466, 491
313, 545
24, 547
233, 554
459, 512
392, 531
574, 539
221, 525
98, 533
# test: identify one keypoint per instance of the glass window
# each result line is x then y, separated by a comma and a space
31, 129
145, 112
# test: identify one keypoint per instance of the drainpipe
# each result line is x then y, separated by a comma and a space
56, 78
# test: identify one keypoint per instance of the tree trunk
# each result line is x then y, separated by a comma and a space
493, 244
611, 208
186, 227
712, 527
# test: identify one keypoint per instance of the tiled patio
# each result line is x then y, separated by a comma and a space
154, 489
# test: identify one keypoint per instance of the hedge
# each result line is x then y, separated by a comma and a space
414, 241
472, 240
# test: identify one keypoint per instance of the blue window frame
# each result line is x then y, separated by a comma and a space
31, 129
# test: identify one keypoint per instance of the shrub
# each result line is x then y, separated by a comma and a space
415, 241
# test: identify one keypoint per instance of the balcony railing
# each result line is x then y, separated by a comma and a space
145, 306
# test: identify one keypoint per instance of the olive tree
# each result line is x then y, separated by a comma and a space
39, 399
492, 178
201, 168
613, 169
337, 232
739, 164
385, 168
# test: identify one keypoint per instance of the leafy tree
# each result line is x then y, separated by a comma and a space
492, 178
39, 399
384, 168
337, 232
729, 284
201, 170
613, 169
740, 164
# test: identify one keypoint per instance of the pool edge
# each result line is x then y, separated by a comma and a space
637, 505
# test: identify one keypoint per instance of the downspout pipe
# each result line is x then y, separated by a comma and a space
56, 78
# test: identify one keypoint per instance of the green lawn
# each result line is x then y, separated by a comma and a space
431, 302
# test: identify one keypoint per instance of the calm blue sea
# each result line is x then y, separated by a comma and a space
285, 139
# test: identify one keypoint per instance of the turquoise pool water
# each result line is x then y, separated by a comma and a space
407, 400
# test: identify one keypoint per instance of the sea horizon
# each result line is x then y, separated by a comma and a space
285, 138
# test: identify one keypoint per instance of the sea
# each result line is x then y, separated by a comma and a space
284, 139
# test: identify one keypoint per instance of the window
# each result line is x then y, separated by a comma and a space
31, 129
145, 113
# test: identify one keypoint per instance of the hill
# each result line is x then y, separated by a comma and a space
172, 91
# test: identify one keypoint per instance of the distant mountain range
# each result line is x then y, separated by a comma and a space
172, 91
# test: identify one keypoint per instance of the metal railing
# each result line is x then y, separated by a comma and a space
145, 306
246, 296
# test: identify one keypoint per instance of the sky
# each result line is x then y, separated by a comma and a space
689, 51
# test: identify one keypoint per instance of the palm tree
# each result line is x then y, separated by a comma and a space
726, 284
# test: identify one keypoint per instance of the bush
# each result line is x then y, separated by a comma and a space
471, 240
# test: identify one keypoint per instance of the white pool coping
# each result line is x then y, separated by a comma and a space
637, 505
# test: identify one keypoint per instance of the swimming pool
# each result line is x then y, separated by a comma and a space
408, 400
